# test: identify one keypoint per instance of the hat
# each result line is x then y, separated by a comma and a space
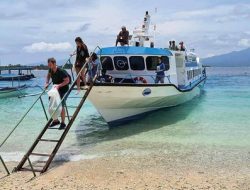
123, 27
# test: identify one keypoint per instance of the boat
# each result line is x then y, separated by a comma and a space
127, 88
11, 77
18, 76
6, 92
12, 84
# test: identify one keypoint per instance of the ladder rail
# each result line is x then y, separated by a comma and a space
73, 83
22, 118
26, 113
68, 126
26, 156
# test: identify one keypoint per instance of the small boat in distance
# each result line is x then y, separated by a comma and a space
11, 80
128, 89
6, 73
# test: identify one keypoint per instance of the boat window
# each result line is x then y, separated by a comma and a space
151, 62
107, 63
137, 63
165, 60
121, 63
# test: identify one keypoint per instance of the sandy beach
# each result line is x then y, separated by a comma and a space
194, 169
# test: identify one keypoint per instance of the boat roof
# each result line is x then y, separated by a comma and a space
133, 50
4, 68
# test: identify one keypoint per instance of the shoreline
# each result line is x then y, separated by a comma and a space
153, 171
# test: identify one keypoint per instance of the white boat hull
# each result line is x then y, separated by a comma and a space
118, 104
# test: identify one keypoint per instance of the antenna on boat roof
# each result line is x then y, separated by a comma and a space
141, 36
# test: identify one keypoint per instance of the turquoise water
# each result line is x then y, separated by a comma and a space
217, 118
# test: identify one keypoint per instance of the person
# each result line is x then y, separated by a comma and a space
61, 81
122, 37
160, 74
170, 45
181, 46
82, 54
174, 47
94, 66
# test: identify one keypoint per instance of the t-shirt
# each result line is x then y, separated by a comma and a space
81, 55
57, 78
160, 72
124, 35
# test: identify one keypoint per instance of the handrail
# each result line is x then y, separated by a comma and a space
22, 118
72, 86
39, 98
132, 76
26, 113
45, 90
26, 157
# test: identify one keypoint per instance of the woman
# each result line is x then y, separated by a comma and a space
81, 54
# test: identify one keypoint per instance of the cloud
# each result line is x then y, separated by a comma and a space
84, 27
48, 47
220, 14
244, 42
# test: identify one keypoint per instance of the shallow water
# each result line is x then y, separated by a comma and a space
217, 118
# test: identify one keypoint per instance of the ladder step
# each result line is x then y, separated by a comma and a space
75, 97
82, 88
39, 154
72, 106
29, 169
41, 161
65, 117
58, 128
48, 140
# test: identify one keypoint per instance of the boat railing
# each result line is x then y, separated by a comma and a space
42, 104
133, 77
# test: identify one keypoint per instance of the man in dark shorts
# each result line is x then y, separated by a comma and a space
122, 37
61, 80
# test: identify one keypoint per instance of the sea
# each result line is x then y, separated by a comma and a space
218, 118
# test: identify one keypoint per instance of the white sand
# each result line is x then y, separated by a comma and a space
138, 172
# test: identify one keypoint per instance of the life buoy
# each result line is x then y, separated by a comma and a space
140, 79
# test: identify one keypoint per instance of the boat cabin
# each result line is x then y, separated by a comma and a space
127, 64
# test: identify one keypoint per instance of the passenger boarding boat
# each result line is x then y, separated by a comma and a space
129, 90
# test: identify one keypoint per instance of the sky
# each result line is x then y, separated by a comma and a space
33, 30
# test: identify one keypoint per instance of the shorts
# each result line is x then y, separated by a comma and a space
159, 79
62, 95
123, 41
79, 65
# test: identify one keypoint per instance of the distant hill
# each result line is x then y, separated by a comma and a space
233, 59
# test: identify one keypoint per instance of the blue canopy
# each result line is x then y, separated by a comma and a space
133, 50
